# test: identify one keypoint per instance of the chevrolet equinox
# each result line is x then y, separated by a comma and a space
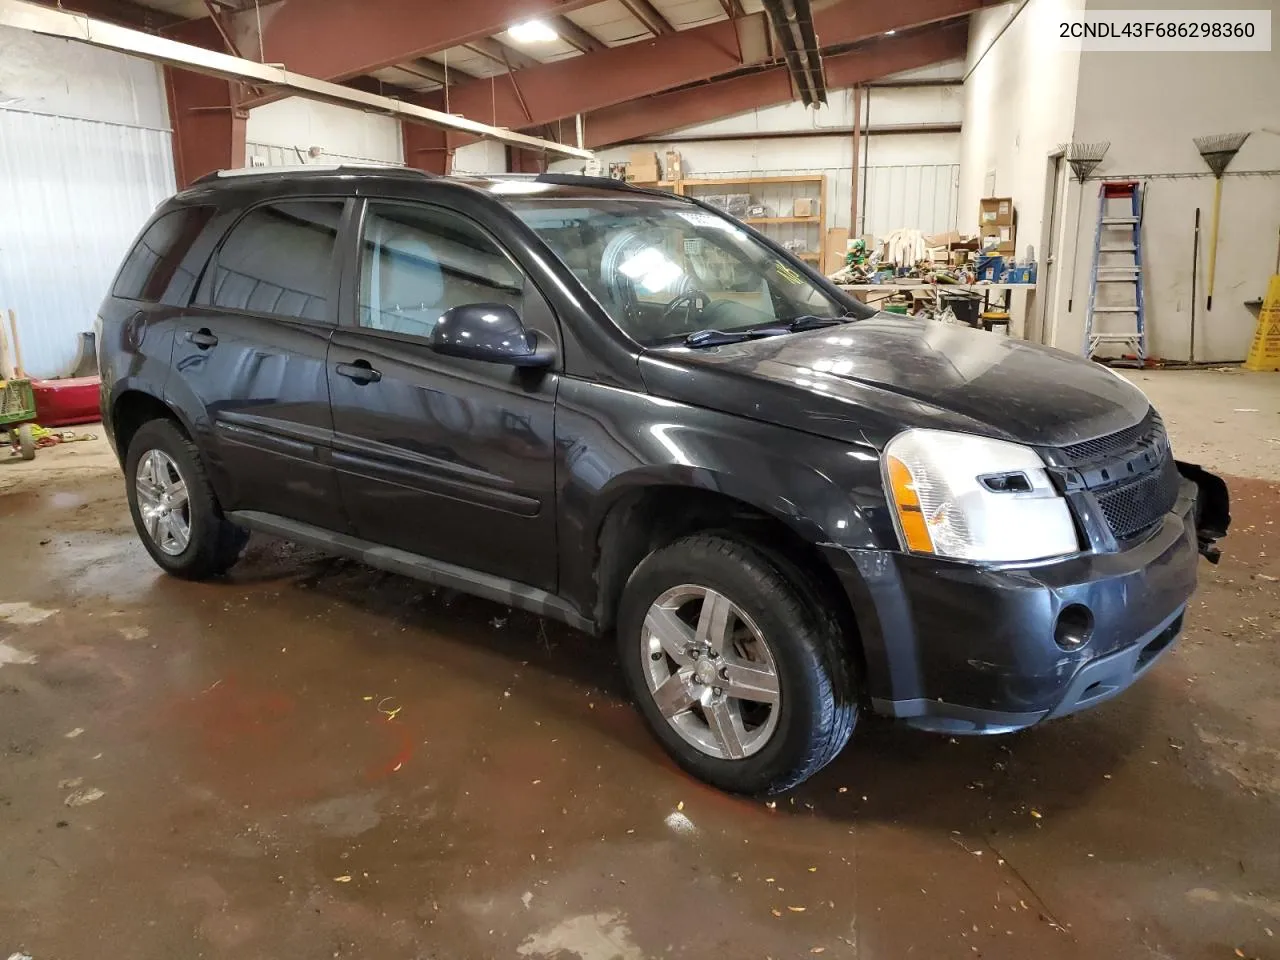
628, 411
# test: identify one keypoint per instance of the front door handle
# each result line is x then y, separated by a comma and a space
203, 338
360, 372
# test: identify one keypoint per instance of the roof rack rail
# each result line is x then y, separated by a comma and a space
312, 168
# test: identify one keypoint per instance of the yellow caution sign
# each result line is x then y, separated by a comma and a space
1265, 352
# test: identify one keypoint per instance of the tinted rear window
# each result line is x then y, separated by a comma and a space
279, 260
154, 271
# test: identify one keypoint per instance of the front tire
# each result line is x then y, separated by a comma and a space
173, 505
742, 681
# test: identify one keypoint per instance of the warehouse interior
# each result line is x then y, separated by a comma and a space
314, 758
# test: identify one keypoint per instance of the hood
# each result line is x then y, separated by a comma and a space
868, 379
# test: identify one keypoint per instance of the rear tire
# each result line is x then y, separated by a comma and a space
177, 516
683, 689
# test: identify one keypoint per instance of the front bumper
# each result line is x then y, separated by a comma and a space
960, 648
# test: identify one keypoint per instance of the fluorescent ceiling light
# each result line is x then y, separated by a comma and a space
532, 31
890, 33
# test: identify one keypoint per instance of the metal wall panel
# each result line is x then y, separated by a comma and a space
73, 194
920, 196
924, 197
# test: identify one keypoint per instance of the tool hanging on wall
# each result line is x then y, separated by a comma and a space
1195, 272
1217, 151
1084, 159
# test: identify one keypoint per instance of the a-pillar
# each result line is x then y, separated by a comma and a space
427, 148
208, 123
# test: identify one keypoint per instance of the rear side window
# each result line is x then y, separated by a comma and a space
279, 260
154, 271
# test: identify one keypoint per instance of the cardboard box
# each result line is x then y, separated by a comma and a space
833, 251
641, 158
643, 172
804, 207
995, 211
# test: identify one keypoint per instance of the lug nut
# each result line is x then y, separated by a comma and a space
717, 691
693, 653
655, 656
724, 673
714, 655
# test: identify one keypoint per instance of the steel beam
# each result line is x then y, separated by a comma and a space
648, 15
577, 36
43, 20
208, 123
561, 89
334, 39
499, 52
710, 101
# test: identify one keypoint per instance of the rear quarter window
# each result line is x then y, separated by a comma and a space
155, 270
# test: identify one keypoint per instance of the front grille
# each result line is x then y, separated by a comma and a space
1149, 479
1136, 505
1125, 441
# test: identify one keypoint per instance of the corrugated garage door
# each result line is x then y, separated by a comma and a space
74, 190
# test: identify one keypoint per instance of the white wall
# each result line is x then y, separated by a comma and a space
1170, 99
85, 156
284, 131
1019, 103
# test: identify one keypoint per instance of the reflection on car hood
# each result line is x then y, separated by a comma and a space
868, 379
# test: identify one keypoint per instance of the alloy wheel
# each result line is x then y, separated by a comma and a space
163, 504
710, 672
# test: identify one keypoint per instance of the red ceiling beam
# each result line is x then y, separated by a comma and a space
563, 88
208, 121
555, 91
722, 98
337, 39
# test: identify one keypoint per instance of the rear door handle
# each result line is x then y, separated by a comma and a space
203, 338
361, 372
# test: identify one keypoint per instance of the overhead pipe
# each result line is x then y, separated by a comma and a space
98, 33
809, 46
790, 51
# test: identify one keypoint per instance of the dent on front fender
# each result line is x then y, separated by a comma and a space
1213, 508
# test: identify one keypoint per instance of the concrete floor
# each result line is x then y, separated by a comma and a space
318, 760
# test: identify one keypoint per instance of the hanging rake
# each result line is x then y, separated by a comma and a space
1084, 159
1218, 152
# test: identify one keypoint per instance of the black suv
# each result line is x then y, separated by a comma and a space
628, 411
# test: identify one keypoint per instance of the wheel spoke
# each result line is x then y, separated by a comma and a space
749, 681
713, 621
179, 533
673, 696
670, 631
177, 492
151, 520
726, 726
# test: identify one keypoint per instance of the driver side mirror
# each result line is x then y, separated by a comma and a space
492, 332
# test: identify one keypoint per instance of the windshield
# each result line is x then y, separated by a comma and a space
664, 270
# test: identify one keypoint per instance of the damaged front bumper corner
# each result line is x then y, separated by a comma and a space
1213, 508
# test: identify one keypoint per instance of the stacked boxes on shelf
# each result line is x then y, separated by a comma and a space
998, 226
642, 167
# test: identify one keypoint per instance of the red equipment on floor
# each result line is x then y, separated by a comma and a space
60, 403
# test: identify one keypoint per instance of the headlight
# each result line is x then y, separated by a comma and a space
972, 498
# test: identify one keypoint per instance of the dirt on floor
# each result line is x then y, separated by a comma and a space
315, 759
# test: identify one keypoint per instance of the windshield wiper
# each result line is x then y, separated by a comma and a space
716, 338
809, 322
771, 328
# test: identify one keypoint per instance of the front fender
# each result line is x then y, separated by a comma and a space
612, 442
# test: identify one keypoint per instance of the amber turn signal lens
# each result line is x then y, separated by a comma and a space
910, 517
